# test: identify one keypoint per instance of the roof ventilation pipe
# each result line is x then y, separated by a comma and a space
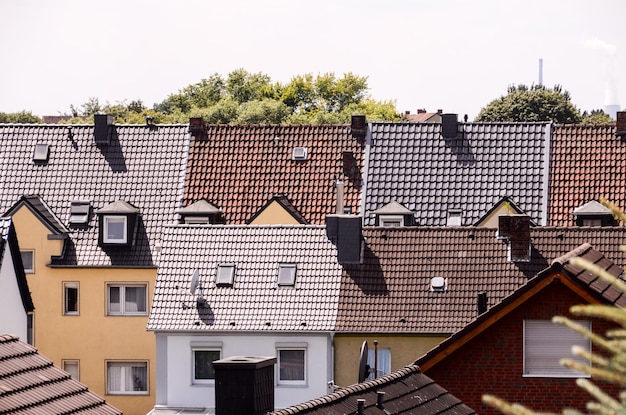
340, 196
380, 403
360, 403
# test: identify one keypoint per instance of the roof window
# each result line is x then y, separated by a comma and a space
79, 213
41, 153
225, 275
437, 284
286, 275
454, 217
299, 153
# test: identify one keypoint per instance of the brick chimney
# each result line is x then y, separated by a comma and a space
358, 126
620, 124
244, 385
515, 229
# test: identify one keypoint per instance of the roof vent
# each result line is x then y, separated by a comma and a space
449, 125
102, 130
358, 126
41, 153
437, 284
299, 153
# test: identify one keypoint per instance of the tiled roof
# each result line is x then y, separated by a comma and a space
240, 167
415, 166
588, 163
31, 384
390, 291
142, 165
254, 302
605, 292
406, 391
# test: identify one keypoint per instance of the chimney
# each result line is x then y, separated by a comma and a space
620, 123
103, 124
439, 111
449, 125
360, 406
197, 128
407, 112
244, 385
515, 229
380, 403
421, 110
481, 302
345, 232
340, 197
359, 126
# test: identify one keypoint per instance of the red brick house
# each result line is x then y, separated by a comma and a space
512, 350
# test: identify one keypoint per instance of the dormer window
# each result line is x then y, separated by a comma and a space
117, 224
391, 220
394, 214
201, 212
593, 213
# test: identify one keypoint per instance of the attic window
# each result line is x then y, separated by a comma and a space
117, 224
225, 275
454, 217
391, 220
41, 153
437, 284
115, 230
286, 275
79, 213
299, 153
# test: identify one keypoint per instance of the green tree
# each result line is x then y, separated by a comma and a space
22, 117
596, 117
537, 103
610, 368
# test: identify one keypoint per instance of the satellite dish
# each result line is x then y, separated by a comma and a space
194, 282
364, 368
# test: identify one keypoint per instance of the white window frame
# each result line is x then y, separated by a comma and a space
105, 229
66, 363
203, 347
546, 343
287, 274
125, 366
31, 269
282, 347
225, 276
391, 221
66, 286
384, 362
454, 217
122, 294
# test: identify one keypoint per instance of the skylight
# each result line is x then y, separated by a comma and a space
41, 153
225, 275
286, 275
79, 213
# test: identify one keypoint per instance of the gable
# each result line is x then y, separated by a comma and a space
278, 211
35, 235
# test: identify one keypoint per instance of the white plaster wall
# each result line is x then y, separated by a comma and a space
181, 392
13, 319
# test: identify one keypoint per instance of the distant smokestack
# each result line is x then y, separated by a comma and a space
540, 71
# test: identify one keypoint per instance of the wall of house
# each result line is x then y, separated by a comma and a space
179, 391
405, 349
274, 214
91, 337
492, 363
13, 318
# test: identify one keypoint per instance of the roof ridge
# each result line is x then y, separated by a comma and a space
573, 253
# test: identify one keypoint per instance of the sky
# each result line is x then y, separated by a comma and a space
452, 55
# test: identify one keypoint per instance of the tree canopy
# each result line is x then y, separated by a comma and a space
537, 103
22, 117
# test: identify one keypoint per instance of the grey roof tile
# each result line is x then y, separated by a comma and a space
255, 298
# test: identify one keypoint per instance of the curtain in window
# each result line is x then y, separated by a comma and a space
135, 300
137, 378
292, 365
384, 362
114, 377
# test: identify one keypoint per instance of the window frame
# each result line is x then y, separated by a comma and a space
31, 269
455, 217
289, 268
65, 362
203, 347
68, 285
105, 229
125, 365
287, 347
390, 221
553, 332
225, 275
122, 298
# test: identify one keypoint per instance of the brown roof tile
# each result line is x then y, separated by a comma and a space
588, 162
240, 167
31, 384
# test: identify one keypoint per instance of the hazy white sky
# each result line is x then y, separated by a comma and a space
454, 55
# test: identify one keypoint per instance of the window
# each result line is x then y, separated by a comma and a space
127, 378
592, 222
545, 343
127, 300
115, 229
454, 217
41, 153
382, 366
28, 261
225, 275
79, 213
72, 367
203, 356
70, 298
391, 221
287, 275
291, 364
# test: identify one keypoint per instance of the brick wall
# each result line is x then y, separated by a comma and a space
492, 363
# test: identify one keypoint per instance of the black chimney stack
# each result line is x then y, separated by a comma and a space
103, 124
449, 125
244, 385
